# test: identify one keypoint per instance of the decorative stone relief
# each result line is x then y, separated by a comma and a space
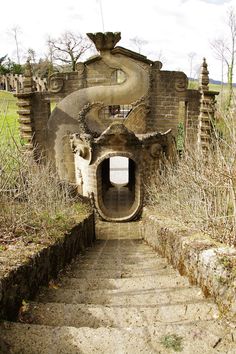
181, 84
56, 84
81, 146
156, 150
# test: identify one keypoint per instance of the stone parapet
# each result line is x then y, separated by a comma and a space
22, 279
204, 261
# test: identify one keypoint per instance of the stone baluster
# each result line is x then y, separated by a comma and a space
25, 108
7, 83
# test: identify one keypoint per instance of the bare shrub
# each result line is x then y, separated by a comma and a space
200, 190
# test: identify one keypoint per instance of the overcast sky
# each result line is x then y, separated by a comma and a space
173, 28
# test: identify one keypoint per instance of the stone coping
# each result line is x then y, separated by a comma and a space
36, 265
206, 262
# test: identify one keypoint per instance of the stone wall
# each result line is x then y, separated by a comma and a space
204, 261
191, 121
23, 279
171, 102
41, 111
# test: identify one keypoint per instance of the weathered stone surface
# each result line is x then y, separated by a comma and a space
23, 278
96, 313
113, 90
204, 261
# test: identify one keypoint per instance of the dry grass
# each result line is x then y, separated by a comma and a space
34, 204
201, 192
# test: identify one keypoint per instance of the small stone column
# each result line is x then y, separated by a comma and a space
7, 83
17, 85
25, 108
207, 109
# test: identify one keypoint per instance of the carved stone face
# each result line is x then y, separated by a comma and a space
56, 84
181, 84
80, 147
155, 150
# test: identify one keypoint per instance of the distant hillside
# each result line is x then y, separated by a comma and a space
212, 81
218, 82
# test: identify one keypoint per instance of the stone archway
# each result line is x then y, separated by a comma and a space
118, 186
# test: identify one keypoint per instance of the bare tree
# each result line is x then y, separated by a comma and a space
161, 57
31, 52
191, 56
68, 48
15, 31
225, 50
138, 43
220, 49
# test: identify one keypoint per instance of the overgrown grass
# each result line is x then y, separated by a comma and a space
199, 190
172, 341
34, 204
9, 126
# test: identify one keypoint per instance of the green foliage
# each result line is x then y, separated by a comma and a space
2, 59
172, 341
193, 84
226, 262
9, 67
9, 125
16, 68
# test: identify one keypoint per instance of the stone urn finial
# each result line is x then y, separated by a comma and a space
204, 77
104, 41
28, 84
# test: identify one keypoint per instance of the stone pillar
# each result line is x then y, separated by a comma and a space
25, 108
7, 83
207, 109
17, 85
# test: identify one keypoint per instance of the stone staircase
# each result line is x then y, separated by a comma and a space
118, 297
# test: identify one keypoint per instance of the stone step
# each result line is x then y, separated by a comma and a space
122, 253
120, 297
178, 295
126, 259
119, 265
60, 314
121, 243
126, 241
116, 274
117, 255
132, 284
124, 245
134, 258
206, 337
128, 262
118, 231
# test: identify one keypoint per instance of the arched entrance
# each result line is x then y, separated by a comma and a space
118, 188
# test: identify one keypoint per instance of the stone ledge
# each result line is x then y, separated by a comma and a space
23, 278
206, 262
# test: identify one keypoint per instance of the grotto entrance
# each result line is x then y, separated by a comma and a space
118, 183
